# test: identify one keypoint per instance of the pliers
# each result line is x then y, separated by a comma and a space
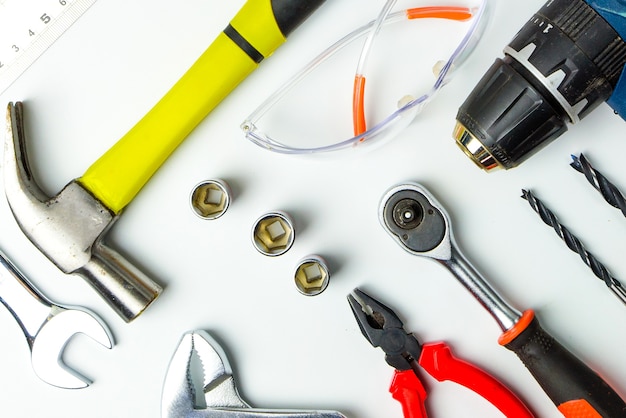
383, 328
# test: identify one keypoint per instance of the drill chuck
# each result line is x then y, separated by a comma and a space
563, 63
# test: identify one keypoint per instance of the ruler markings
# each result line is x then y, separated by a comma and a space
28, 29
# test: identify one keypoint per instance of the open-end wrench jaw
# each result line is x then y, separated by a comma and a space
69, 228
48, 327
221, 398
48, 346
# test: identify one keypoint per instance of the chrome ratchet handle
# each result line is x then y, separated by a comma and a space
419, 223
505, 315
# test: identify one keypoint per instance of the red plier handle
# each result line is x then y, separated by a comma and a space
407, 389
437, 359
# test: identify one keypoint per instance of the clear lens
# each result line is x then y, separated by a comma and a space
409, 62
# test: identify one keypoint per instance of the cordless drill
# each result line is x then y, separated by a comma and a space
565, 61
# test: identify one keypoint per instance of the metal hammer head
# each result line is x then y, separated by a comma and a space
69, 228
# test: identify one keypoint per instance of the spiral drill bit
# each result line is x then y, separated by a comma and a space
609, 191
575, 245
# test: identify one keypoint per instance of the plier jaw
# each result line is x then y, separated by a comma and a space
383, 328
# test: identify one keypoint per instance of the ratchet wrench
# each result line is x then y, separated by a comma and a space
420, 224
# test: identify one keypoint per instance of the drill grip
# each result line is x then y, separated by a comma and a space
574, 388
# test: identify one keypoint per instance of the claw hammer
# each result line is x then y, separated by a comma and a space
69, 228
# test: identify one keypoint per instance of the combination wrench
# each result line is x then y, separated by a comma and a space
48, 327
421, 225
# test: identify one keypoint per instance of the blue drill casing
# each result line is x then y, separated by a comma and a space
614, 12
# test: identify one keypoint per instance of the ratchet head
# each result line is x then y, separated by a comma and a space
221, 398
383, 328
414, 218
421, 225
48, 344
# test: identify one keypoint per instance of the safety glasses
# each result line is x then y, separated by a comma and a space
312, 111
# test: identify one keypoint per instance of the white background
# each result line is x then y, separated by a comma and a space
287, 350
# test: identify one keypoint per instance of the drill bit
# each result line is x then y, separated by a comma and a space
575, 245
609, 191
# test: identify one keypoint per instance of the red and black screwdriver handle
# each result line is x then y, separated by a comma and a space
437, 359
576, 390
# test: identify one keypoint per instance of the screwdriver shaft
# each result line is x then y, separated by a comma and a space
574, 244
608, 190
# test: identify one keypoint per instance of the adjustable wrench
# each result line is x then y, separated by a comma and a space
220, 393
48, 327
69, 228
420, 224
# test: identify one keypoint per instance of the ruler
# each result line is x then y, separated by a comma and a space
28, 28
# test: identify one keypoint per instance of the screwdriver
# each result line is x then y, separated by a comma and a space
420, 224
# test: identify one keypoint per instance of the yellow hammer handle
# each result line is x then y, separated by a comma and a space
253, 34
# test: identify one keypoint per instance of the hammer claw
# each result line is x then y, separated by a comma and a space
69, 228
20, 186
17, 170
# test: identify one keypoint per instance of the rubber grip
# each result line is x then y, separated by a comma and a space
407, 389
574, 388
117, 176
437, 359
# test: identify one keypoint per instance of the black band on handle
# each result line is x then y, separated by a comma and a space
242, 43
562, 375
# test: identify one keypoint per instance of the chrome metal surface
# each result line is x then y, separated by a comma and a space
312, 275
221, 398
48, 327
505, 315
273, 233
69, 229
474, 148
210, 199
448, 254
